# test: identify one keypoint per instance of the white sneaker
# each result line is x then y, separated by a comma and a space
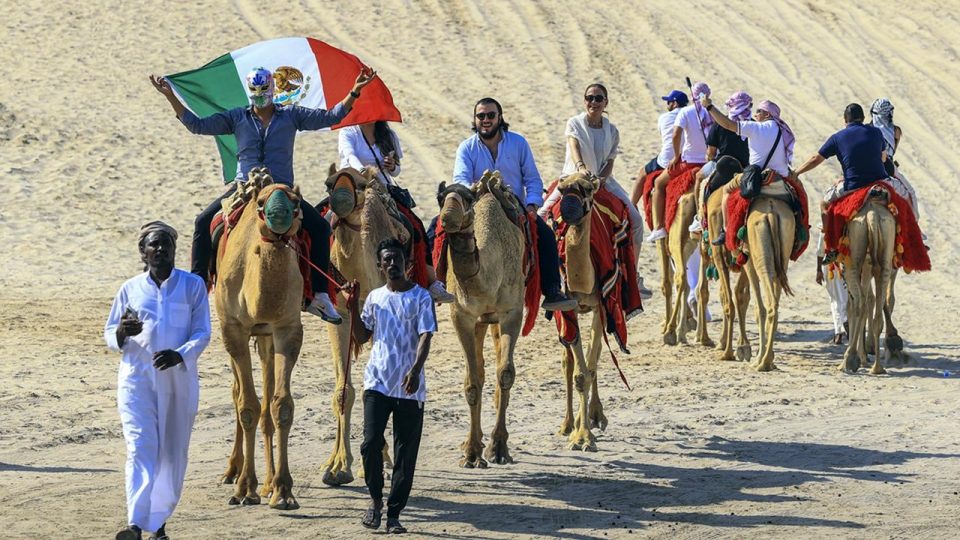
439, 293
645, 293
322, 307
657, 234
696, 226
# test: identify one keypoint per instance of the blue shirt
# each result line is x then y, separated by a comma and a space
859, 149
271, 148
514, 161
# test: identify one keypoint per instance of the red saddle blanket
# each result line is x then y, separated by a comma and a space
738, 208
682, 178
612, 254
910, 253
220, 229
531, 266
646, 192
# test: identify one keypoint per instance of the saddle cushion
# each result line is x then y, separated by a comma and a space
785, 188
646, 192
910, 253
682, 178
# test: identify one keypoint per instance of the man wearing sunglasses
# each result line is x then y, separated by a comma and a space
265, 135
495, 148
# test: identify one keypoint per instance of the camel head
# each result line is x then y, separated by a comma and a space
456, 213
347, 187
576, 196
278, 208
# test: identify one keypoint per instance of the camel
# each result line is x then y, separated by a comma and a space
771, 227
485, 257
872, 234
259, 293
675, 250
733, 301
366, 215
582, 285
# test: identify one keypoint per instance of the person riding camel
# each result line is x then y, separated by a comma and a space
689, 144
675, 100
265, 138
881, 117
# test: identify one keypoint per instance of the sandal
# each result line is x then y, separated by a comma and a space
130, 532
371, 519
394, 526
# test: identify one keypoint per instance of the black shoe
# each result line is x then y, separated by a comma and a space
394, 526
161, 533
721, 239
557, 301
130, 532
371, 519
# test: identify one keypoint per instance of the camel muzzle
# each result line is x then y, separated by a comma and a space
343, 197
572, 208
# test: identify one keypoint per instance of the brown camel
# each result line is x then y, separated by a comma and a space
259, 293
872, 234
675, 250
581, 281
366, 215
770, 233
733, 301
485, 258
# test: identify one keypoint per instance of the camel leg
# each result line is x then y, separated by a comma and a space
596, 417
288, 342
235, 340
742, 298
235, 461
566, 360
893, 341
678, 320
505, 339
725, 346
337, 469
703, 298
471, 335
856, 306
582, 438
759, 309
884, 239
772, 291
666, 288
267, 426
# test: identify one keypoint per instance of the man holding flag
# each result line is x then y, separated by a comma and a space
265, 137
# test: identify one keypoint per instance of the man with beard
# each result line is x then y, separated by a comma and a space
401, 319
493, 147
160, 321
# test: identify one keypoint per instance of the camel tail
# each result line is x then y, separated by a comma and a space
875, 235
778, 254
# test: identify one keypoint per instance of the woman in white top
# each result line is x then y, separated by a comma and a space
593, 143
375, 145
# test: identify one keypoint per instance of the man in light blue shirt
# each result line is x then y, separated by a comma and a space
493, 147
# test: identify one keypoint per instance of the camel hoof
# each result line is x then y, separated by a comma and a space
566, 427
284, 503
498, 454
477, 463
233, 501
247, 500
598, 420
669, 339
726, 356
762, 367
228, 478
707, 342
338, 478
266, 491
843, 368
894, 343
583, 445
878, 370
744, 353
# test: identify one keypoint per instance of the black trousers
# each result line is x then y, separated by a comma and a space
313, 223
546, 250
407, 428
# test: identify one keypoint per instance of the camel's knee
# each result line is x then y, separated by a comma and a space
249, 416
282, 411
506, 378
472, 394
580, 382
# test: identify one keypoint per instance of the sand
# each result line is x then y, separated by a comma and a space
698, 449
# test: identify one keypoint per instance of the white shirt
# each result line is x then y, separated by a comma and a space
396, 319
694, 149
665, 125
355, 152
760, 137
597, 145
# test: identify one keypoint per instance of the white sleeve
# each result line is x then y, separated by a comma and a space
347, 146
399, 154
113, 321
366, 314
747, 128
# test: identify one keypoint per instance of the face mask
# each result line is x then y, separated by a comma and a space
261, 100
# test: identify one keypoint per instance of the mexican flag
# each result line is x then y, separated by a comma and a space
306, 72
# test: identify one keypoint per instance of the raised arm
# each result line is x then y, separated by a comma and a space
313, 119
721, 119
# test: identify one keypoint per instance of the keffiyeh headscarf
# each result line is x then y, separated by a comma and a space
881, 117
701, 88
788, 138
156, 226
739, 105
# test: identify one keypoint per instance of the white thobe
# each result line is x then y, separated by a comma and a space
157, 408
837, 289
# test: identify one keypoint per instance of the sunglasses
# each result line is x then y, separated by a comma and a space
596, 97
487, 115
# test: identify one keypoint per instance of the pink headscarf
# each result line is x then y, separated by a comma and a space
788, 138
701, 88
739, 104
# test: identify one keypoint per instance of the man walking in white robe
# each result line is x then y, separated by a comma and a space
160, 322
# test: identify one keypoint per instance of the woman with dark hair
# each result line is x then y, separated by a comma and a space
374, 144
593, 143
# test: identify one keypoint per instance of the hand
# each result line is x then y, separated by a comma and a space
130, 325
353, 296
364, 78
673, 162
531, 208
819, 276
705, 101
389, 163
411, 381
162, 85
166, 359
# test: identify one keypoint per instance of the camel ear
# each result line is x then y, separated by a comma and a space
333, 169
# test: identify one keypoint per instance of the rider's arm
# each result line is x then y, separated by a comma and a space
221, 123
307, 119
463, 165
532, 183
810, 164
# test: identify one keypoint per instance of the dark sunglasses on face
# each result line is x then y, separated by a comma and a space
488, 115
598, 98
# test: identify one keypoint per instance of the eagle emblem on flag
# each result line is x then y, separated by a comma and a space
290, 86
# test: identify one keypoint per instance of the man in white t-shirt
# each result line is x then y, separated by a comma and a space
689, 144
675, 100
762, 132
401, 319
